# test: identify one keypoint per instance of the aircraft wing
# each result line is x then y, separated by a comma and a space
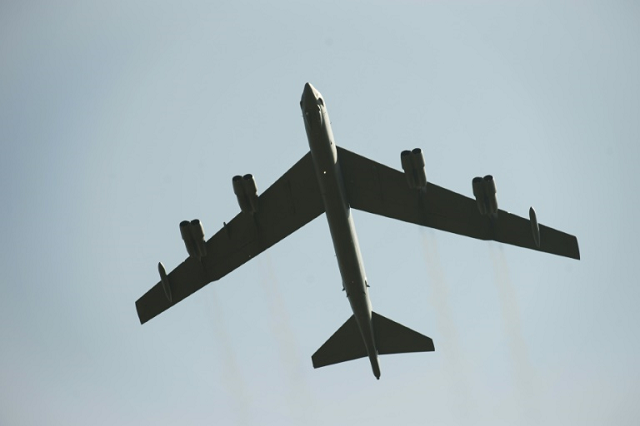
291, 202
376, 188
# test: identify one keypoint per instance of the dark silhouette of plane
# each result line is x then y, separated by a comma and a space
332, 180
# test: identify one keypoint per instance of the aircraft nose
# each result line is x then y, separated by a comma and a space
309, 90
309, 95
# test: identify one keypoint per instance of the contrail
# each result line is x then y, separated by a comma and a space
450, 346
231, 376
524, 375
299, 396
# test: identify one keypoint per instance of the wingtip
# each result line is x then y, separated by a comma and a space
143, 315
577, 252
139, 313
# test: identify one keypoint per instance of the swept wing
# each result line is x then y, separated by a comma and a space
291, 202
378, 189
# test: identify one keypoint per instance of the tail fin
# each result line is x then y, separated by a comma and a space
394, 338
346, 344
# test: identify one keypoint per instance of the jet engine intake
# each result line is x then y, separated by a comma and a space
238, 189
246, 191
407, 166
484, 190
187, 237
251, 191
193, 237
413, 166
197, 233
478, 192
490, 194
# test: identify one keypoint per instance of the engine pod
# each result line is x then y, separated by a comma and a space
238, 189
251, 192
490, 195
478, 192
407, 166
187, 237
197, 234
420, 174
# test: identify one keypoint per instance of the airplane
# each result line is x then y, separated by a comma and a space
332, 180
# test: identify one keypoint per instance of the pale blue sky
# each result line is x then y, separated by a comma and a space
120, 119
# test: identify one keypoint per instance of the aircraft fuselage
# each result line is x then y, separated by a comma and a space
338, 212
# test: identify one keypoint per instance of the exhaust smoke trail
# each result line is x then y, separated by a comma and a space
454, 360
231, 375
299, 397
523, 371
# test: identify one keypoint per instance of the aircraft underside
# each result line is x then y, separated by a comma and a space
332, 180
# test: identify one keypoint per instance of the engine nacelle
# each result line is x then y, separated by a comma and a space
238, 189
251, 191
193, 237
246, 191
413, 166
407, 166
197, 233
490, 194
478, 192
189, 243
484, 190
418, 168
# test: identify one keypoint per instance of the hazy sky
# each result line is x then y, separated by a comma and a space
119, 119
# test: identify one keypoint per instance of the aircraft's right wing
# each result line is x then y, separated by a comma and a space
378, 189
291, 202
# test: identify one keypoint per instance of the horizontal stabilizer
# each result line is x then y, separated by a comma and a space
346, 344
394, 338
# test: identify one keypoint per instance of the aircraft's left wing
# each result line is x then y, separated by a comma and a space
378, 189
291, 202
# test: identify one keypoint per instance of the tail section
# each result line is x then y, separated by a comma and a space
347, 343
394, 338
